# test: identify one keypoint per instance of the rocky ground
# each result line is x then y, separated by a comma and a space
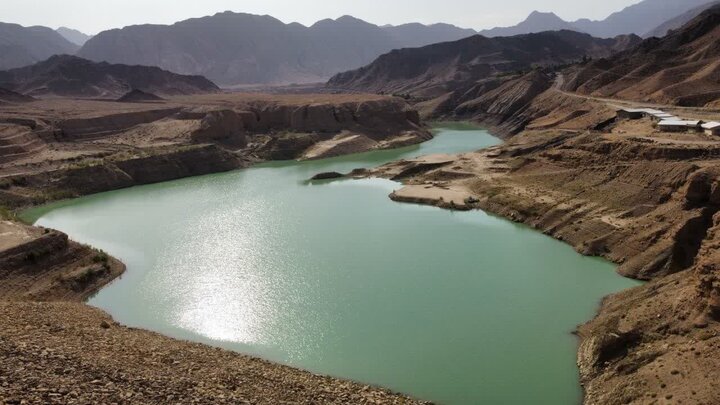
69, 353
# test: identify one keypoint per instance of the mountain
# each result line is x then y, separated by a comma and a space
22, 46
71, 76
639, 18
236, 48
536, 22
415, 35
76, 37
679, 21
682, 68
435, 69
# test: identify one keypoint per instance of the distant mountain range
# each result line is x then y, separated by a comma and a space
22, 46
236, 48
644, 18
679, 21
76, 37
434, 70
70, 76
682, 68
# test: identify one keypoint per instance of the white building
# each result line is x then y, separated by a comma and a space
678, 125
711, 128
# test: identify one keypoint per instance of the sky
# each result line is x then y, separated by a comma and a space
93, 16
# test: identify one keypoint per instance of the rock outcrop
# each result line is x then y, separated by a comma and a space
138, 96
38, 264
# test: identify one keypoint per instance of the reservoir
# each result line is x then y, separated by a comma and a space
335, 278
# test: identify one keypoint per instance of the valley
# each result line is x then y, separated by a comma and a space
167, 202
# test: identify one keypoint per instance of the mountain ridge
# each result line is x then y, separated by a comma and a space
71, 76
264, 50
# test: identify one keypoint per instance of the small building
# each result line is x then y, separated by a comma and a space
637, 113
677, 125
711, 128
662, 116
630, 113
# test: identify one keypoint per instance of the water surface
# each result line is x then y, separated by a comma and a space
454, 307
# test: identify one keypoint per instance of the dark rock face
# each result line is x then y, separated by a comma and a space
23, 46
138, 96
70, 76
327, 176
235, 48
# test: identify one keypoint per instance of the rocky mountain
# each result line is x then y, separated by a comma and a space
640, 19
434, 70
536, 22
682, 68
235, 48
22, 46
679, 21
71, 76
76, 37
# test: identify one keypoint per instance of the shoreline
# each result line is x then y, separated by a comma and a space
592, 341
459, 205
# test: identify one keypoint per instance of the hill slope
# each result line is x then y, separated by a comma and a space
22, 46
234, 48
682, 68
435, 69
70, 76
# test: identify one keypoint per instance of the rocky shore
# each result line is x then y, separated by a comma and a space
70, 353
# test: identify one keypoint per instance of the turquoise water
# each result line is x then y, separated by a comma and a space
334, 277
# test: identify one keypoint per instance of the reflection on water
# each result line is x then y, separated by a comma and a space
460, 308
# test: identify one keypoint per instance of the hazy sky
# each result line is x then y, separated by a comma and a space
92, 16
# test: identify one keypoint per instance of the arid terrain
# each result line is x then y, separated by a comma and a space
571, 167
59, 148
